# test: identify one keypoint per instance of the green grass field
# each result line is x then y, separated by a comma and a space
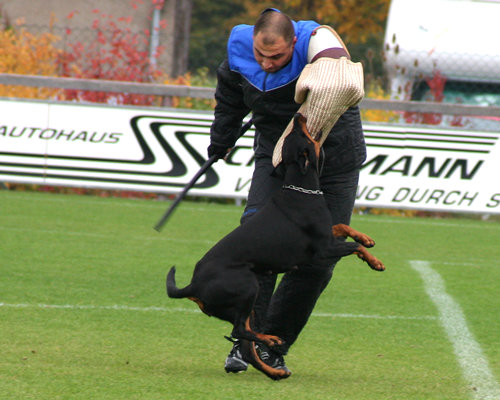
84, 315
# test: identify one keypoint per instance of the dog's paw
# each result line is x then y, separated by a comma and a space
376, 264
370, 259
363, 239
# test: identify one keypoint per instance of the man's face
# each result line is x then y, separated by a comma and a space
272, 55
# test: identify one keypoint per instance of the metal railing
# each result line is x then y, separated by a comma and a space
208, 93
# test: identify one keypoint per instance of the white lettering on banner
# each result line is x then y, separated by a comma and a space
159, 150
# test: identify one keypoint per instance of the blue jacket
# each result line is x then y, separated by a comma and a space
242, 60
243, 87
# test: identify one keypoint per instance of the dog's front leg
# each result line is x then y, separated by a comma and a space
345, 231
370, 259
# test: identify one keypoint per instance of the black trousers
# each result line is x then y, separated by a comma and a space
285, 311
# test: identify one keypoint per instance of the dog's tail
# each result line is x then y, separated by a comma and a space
172, 290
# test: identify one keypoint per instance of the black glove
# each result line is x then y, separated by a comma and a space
216, 150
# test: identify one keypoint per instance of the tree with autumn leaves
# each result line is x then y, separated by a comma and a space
110, 51
114, 53
22, 52
354, 20
360, 23
117, 53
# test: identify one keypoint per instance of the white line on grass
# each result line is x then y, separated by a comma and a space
470, 356
192, 310
107, 236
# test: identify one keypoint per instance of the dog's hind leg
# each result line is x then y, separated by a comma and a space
241, 308
243, 330
249, 334
345, 231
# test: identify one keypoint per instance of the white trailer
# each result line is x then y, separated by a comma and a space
458, 40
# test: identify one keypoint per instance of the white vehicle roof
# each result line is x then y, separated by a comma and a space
460, 38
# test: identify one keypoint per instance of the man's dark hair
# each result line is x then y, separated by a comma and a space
277, 23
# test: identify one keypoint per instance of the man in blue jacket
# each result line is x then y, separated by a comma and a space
274, 69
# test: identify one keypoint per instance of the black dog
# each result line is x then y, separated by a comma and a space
292, 229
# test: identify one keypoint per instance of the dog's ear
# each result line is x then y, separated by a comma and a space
301, 153
309, 157
298, 147
300, 122
304, 164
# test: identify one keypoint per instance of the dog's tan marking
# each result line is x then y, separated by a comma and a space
200, 304
317, 147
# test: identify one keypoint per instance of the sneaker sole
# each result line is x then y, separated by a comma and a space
240, 366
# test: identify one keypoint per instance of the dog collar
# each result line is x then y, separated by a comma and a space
302, 190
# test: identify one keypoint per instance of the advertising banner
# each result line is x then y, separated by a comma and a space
431, 169
159, 150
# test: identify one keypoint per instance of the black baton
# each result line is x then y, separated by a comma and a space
192, 182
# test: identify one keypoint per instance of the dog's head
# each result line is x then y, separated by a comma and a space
299, 146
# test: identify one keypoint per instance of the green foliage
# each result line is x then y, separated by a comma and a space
85, 315
211, 23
